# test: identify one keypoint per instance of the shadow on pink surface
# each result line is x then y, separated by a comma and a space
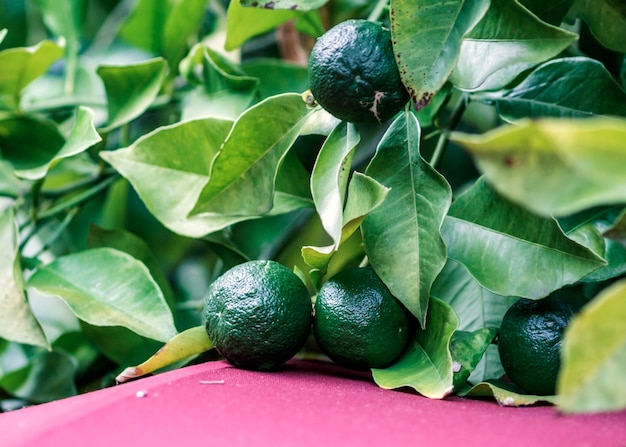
306, 403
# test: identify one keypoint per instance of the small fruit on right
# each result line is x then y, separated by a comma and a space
353, 73
530, 339
358, 323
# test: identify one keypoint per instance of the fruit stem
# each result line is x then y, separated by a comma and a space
378, 11
454, 120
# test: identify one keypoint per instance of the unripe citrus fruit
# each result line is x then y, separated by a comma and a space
358, 323
530, 339
353, 73
258, 314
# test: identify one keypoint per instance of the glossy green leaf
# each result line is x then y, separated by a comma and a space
467, 350
48, 376
568, 87
552, 12
82, 136
300, 5
505, 394
17, 321
179, 156
477, 309
242, 175
554, 166
607, 20
3, 33
594, 354
245, 23
496, 241
136, 247
21, 66
402, 236
131, 88
187, 344
508, 40
107, 287
427, 36
329, 179
426, 365
29, 142
364, 195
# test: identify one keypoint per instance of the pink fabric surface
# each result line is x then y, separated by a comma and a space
306, 404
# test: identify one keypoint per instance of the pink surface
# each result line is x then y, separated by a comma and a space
307, 403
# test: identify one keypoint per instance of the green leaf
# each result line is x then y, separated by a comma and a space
300, 5
329, 178
107, 287
226, 91
427, 36
119, 344
63, 18
242, 175
136, 247
48, 376
163, 27
364, 195
277, 76
82, 136
505, 394
3, 33
477, 309
509, 250
426, 365
551, 12
467, 350
21, 66
131, 88
562, 88
29, 142
187, 344
607, 20
402, 236
508, 40
17, 321
245, 23
179, 156
182, 22
591, 378
554, 166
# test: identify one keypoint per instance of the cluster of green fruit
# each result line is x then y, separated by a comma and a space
259, 314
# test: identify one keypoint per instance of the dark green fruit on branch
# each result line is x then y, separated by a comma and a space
353, 73
258, 314
358, 323
530, 339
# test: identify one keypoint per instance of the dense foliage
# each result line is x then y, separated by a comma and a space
147, 146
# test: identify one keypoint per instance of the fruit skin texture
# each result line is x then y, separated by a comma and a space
529, 342
258, 315
353, 73
358, 323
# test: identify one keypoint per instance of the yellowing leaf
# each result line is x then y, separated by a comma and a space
594, 355
554, 166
